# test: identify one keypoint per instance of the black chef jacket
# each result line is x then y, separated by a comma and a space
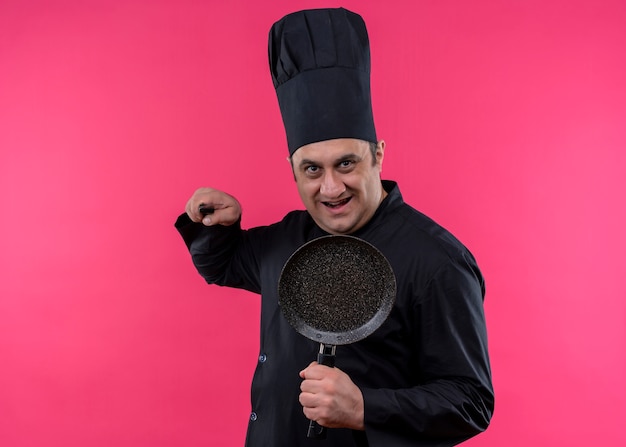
424, 374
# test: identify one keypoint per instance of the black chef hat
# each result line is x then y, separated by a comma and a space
320, 66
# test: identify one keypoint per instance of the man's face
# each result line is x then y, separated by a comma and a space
339, 182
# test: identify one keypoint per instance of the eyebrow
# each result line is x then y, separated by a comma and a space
351, 156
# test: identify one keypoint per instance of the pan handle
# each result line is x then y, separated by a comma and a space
325, 357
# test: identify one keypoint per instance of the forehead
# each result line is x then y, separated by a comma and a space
330, 150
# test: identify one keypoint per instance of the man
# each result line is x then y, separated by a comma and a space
423, 378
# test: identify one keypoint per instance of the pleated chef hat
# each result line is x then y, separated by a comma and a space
320, 65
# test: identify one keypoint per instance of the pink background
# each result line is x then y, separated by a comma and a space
505, 121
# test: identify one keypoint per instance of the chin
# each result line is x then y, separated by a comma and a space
339, 229
339, 225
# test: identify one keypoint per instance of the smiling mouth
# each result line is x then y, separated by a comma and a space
337, 203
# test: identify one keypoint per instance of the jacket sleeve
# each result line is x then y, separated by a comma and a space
221, 254
454, 398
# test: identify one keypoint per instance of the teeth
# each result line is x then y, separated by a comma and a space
338, 203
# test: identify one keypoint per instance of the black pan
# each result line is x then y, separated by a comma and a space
336, 290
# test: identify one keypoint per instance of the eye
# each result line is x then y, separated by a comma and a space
312, 171
346, 165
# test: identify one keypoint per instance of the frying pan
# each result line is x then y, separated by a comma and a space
336, 290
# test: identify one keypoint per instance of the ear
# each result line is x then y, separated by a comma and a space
380, 153
290, 161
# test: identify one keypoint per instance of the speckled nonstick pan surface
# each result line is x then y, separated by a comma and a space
336, 289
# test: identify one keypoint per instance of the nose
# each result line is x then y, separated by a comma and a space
332, 186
